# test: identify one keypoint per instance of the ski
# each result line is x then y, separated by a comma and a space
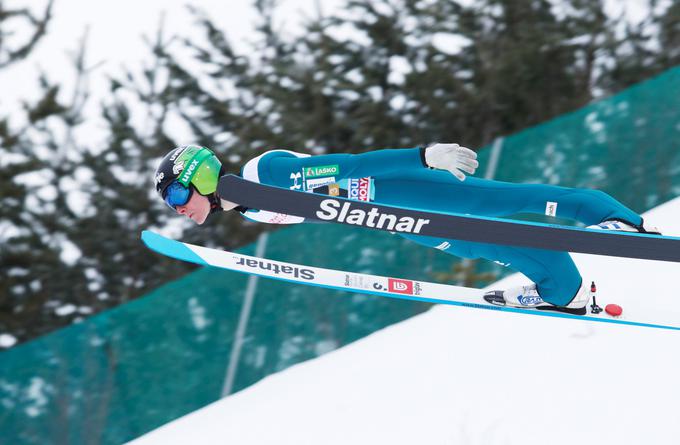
357, 282
377, 216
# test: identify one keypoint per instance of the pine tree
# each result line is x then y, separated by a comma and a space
381, 73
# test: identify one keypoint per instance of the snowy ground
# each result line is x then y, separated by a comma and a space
465, 376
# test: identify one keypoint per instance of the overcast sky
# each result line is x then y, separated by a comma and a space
115, 40
115, 35
116, 30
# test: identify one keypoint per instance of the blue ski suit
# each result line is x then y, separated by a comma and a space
400, 177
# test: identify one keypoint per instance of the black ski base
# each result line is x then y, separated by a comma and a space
336, 209
566, 310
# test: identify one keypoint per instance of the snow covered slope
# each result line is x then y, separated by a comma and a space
464, 376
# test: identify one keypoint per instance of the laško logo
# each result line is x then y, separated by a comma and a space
400, 286
322, 170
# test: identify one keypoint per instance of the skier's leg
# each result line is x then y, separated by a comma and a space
440, 191
554, 273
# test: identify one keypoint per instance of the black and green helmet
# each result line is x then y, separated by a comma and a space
189, 165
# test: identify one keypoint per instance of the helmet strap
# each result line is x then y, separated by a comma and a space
214, 203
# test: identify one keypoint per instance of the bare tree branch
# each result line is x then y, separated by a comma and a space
9, 55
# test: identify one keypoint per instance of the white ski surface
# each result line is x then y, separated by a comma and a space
366, 283
465, 376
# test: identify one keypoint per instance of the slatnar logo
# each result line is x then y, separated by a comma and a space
262, 265
373, 218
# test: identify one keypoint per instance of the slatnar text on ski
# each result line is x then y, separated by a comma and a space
373, 218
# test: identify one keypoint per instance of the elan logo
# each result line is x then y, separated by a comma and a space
529, 300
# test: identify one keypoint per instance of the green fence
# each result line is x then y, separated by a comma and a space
627, 145
126, 371
123, 372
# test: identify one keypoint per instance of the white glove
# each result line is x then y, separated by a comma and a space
451, 157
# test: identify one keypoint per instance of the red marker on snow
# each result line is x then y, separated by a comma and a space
613, 309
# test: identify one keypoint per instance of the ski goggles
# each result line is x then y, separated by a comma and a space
177, 194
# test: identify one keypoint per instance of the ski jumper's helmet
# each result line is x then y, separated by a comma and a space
188, 167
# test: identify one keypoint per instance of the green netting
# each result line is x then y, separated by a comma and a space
126, 371
627, 145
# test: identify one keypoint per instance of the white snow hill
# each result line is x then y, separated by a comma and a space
465, 376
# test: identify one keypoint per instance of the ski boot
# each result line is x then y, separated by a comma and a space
527, 297
625, 226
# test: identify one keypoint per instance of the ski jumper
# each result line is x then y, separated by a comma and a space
400, 177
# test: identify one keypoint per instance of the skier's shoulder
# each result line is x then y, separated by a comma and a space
251, 169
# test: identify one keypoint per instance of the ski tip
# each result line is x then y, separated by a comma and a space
148, 238
157, 242
169, 247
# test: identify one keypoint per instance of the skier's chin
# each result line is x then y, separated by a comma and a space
199, 219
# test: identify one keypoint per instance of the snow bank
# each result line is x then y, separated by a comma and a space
464, 376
